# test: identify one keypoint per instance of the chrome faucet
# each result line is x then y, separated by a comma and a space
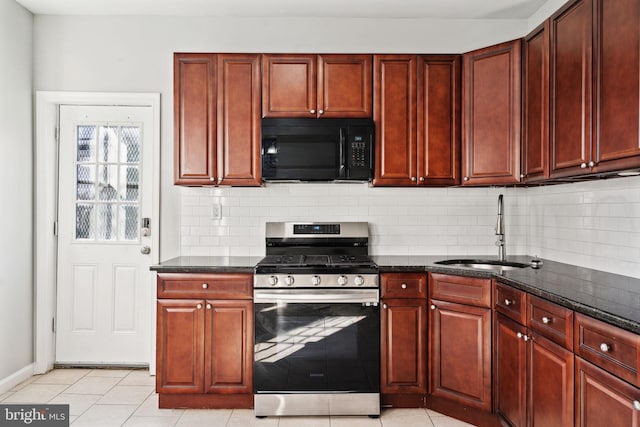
500, 230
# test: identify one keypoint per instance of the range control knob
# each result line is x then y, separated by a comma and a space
315, 280
288, 280
342, 280
273, 280
359, 280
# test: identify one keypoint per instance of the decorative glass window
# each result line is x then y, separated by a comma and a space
107, 182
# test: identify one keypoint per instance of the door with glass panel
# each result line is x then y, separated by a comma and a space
104, 214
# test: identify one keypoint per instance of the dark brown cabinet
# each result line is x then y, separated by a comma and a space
595, 64
316, 85
535, 104
404, 339
417, 116
603, 399
571, 88
217, 119
460, 340
533, 373
204, 341
491, 115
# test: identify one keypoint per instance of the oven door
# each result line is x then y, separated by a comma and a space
317, 341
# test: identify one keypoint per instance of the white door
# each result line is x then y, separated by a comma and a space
104, 201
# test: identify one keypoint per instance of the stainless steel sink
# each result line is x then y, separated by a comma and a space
484, 264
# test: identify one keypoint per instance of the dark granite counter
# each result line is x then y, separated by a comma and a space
605, 296
608, 297
205, 264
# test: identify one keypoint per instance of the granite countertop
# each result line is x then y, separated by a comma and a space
605, 296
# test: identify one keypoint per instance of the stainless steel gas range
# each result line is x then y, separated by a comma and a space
317, 322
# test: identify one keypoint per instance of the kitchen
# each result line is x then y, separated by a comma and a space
591, 224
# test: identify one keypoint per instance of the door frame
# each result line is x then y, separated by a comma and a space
46, 200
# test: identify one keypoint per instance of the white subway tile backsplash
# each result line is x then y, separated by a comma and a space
593, 224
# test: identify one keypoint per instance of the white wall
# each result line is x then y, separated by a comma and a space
119, 53
16, 245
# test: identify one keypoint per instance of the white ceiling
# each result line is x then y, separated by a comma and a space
437, 9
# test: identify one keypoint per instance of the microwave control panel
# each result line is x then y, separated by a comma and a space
359, 152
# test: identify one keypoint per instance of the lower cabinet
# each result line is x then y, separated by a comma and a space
533, 371
404, 340
603, 399
203, 345
534, 377
460, 341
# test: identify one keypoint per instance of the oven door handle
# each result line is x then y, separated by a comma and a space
317, 296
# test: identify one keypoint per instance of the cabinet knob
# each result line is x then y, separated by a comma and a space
433, 307
212, 178
636, 405
413, 178
546, 320
592, 164
466, 178
199, 306
312, 111
525, 338
605, 348
205, 286
508, 302
208, 306
583, 165
422, 179
321, 112
403, 286
519, 335
522, 176
384, 306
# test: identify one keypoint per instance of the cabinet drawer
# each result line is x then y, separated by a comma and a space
607, 346
510, 302
464, 290
404, 285
551, 321
211, 286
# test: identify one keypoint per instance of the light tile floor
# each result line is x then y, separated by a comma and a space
120, 397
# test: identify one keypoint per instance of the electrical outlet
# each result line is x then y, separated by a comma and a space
217, 211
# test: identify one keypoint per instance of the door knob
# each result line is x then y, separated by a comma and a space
145, 250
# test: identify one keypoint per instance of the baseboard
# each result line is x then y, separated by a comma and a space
16, 378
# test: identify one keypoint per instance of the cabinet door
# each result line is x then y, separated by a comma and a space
404, 346
570, 80
604, 400
394, 113
550, 383
238, 119
491, 115
344, 86
535, 92
438, 120
460, 353
179, 346
289, 85
617, 67
228, 347
194, 92
510, 371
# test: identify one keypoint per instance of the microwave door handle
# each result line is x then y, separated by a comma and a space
343, 154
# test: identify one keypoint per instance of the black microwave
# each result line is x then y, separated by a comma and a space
317, 149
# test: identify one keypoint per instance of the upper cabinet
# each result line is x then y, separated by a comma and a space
417, 118
535, 104
491, 115
217, 119
571, 80
594, 86
322, 86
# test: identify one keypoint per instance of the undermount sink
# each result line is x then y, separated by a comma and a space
484, 264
